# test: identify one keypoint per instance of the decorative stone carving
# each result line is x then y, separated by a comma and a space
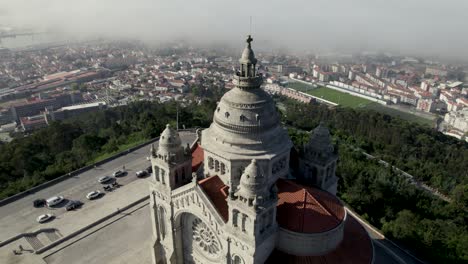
204, 237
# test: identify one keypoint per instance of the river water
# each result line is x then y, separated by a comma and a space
20, 42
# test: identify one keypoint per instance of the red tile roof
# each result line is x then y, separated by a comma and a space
217, 192
314, 210
197, 157
356, 248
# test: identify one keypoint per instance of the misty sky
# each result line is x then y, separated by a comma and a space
419, 27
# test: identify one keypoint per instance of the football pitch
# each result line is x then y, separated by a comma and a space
343, 99
348, 100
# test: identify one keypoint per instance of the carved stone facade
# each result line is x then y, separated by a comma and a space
228, 213
319, 160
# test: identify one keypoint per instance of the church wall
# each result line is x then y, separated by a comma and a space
216, 165
300, 244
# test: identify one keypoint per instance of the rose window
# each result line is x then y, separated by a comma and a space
204, 237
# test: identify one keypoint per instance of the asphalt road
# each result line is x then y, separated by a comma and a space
20, 216
385, 250
110, 244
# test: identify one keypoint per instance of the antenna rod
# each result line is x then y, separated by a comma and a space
177, 117
250, 32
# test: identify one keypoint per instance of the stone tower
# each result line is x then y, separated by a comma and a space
253, 214
171, 165
318, 161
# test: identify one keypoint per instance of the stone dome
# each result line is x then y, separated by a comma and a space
252, 181
169, 140
320, 140
246, 121
246, 111
248, 55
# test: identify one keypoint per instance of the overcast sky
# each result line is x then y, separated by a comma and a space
416, 27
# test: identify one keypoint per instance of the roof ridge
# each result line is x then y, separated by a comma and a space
320, 204
206, 179
303, 209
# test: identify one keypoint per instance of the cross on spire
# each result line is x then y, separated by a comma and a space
249, 39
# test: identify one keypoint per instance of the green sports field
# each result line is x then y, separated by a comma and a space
347, 100
343, 99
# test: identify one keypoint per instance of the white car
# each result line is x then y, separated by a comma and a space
93, 195
43, 218
54, 200
104, 179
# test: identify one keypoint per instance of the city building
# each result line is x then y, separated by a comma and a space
71, 111
436, 71
31, 123
39, 105
231, 198
458, 120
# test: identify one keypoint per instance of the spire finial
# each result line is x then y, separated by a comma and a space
249, 39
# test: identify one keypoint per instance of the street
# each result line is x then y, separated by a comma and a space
20, 216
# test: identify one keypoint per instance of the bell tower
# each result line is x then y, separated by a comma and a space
252, 214
172, 168
318, 161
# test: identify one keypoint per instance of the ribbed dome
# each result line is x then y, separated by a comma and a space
244, 111
245, 122
252, 181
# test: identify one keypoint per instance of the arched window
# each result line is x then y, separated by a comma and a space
162, 222
237, 260
210, 163
156, 173
244, 223
235, 216
223, 168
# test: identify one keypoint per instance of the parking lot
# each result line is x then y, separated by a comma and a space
20, 216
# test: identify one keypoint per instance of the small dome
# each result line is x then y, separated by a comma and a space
169, 138
320, 140
252, 181
248, 55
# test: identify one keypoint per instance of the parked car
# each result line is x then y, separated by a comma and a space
118, 173
141, 173
104, 179
93, 195
44, 218
39, 203
73, 205
54, 200
149, 169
